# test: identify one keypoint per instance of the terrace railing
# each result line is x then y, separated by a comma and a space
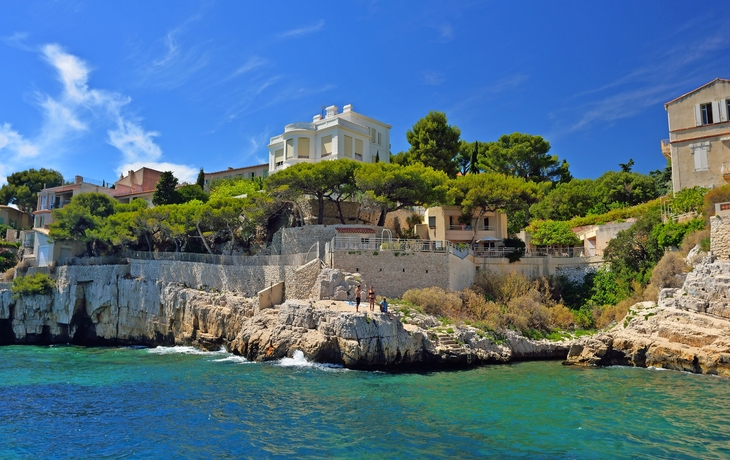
216, 259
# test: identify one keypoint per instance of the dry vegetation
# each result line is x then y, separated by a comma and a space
498, 301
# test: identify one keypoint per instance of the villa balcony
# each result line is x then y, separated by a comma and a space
666, 149
303, 126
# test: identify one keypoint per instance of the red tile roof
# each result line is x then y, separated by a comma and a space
354, 230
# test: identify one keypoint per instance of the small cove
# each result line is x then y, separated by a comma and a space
73, 402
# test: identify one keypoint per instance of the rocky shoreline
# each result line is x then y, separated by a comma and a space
104, 306
687, 330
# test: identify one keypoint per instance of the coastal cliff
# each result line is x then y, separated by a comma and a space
105, 305
687, 330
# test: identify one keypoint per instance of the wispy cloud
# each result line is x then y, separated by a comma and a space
18, 40
487, 92
72, 112
433, 78
446, 32
252, 63
176, 61
294, 33
650, 85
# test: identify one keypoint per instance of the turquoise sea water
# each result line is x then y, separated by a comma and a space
69, 402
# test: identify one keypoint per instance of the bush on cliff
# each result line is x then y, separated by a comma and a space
37, 283
499, 301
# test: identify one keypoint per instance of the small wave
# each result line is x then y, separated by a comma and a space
233, 359
180, 350
298, 360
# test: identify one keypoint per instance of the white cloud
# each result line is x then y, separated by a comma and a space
446, 32
303, 30
70, 113
184, 173
249, 65
134, 142
433, 78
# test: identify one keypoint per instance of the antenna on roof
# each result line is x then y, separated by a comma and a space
323, 111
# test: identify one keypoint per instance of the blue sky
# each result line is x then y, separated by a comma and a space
95, 88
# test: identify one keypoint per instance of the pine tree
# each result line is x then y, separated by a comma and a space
165, 192
201, 179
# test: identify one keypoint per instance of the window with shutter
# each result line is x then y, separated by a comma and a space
432, 221
303, 147
372, 135
348, 146
699, 152
358, 149
289, 148
327, 145
706, 113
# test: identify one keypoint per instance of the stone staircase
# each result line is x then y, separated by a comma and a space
448, 344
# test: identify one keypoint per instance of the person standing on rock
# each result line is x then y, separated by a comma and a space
371, 298
357, 298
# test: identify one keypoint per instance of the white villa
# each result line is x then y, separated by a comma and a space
337, 135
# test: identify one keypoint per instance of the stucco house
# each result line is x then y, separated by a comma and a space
699, 136
246, 172
14, 218
441, 223
595, 238
336, 135
137, 184
58, 197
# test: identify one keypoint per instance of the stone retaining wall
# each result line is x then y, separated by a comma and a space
720, 236
301, 282
392, 274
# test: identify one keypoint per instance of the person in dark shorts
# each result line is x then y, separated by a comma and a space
371, 298
357, 298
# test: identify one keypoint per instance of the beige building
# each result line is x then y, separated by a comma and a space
699, 136
595, 238
441, 223
58, 197
14, 218
247, 172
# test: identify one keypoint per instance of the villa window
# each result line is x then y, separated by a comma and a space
348, 146
431, 221
699, 152
486, 223
279, 157
43, 201
380, 139
289, 148
303, 147
327, 145
358, 149
706, 113
372, 135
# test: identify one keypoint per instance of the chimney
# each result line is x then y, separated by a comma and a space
331, 111
347, 108
229, 168
78, 179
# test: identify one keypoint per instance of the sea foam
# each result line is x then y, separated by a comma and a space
298, 360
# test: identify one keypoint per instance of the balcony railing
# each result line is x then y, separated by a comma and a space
488, 228
303, 126
358, 156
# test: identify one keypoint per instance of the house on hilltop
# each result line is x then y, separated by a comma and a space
246, 172
137, 184
699, 136
441, 223
334, 136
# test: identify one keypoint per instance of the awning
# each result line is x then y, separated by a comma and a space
488, 238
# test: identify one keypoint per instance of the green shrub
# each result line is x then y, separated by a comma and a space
9, 244
37, 283
8, 260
